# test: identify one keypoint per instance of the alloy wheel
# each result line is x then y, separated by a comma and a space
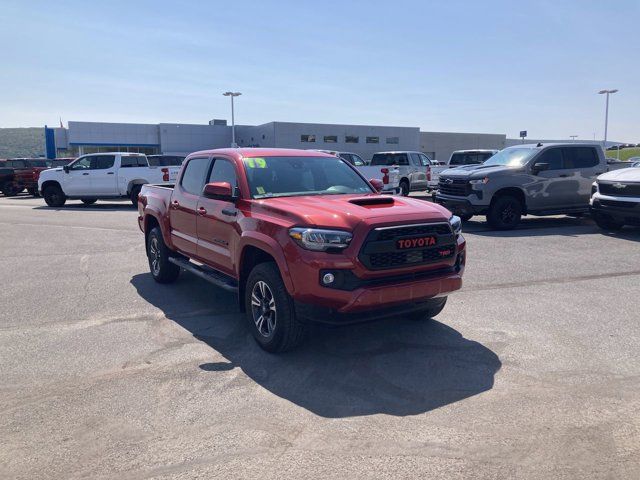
263, 306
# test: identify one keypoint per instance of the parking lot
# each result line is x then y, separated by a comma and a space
532, 370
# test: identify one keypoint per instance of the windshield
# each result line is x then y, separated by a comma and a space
37, 163
512, 157
297, 176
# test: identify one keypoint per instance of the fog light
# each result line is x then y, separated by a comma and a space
328, 278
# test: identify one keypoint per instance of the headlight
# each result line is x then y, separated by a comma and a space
320, 240
479, 181
456, 224
594, 188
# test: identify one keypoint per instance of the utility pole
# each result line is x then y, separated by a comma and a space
233, 120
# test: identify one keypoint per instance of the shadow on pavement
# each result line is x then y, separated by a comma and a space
105, 207
395, 367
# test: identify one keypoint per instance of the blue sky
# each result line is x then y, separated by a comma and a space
476, 66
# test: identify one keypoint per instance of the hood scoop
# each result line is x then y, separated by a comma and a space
377, 200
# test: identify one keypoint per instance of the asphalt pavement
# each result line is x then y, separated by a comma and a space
531, 371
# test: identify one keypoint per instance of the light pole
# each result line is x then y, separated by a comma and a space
573, 137
233, 120
606, 114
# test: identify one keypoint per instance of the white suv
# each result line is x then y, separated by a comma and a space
101, 176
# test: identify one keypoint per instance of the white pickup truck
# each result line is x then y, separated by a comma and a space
101, 176
400, 172
458, 159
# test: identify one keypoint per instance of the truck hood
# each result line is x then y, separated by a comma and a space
476, 171
622, 175
347, 211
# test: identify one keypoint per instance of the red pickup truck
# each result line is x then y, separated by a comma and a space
26, 172
300, 236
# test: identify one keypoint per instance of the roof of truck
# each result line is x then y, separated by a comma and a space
240, 153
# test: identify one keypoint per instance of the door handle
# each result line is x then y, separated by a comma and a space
85, 173
175, 204
231, 213
564, 175
110, 173
202, 211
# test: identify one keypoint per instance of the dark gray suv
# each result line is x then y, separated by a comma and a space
535, 179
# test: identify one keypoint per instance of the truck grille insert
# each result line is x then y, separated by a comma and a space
380, 250
620, 189
458, 188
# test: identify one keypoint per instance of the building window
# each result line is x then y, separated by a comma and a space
393, 140
330, 139
307, 138
373, 139
351, 139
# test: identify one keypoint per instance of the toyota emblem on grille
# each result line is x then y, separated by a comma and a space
619, 185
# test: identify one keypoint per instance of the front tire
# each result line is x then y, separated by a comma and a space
9, 189
33, 192
54, 196
270, 312
162, 270
505, 213
607, 224
434, 307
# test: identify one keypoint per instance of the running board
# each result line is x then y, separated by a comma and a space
210, 275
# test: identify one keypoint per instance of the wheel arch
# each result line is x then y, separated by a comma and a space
134, 182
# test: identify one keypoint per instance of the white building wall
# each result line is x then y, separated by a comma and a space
183, 139
98, 133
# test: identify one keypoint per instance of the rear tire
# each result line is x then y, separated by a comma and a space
505, 213
436, 305
270, 311
607, 224
33, 192
54, 196
135, 191
405, 188
88, 201
9, 189
162, 270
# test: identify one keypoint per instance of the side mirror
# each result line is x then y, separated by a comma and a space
377, 184
65, 168
539, 167
219, 190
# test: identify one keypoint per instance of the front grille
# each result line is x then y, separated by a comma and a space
380, 251
458, 188
619, 189
617, 204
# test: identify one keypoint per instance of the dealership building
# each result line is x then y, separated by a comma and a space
181, 139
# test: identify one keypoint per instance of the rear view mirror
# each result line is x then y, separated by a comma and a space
377, 184
539, 167
218, 190
65, 168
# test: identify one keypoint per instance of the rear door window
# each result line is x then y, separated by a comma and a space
194, 176
357, 160
580, 157
415, 158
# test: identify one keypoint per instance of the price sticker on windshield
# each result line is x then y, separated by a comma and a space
257, 162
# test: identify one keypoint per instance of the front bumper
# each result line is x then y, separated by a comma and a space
460, 206
621, 210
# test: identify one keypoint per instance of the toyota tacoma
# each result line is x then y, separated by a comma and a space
300, 236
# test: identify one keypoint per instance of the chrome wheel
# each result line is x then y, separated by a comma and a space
263, 307
154, 256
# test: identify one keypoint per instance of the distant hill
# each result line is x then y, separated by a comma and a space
21, 142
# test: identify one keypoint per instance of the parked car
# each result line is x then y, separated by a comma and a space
7, 181
101, 176
460, 158
635, 161
524, 179
402, 172
27, 172
300, 236
353, 158
615, 199
165, 160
